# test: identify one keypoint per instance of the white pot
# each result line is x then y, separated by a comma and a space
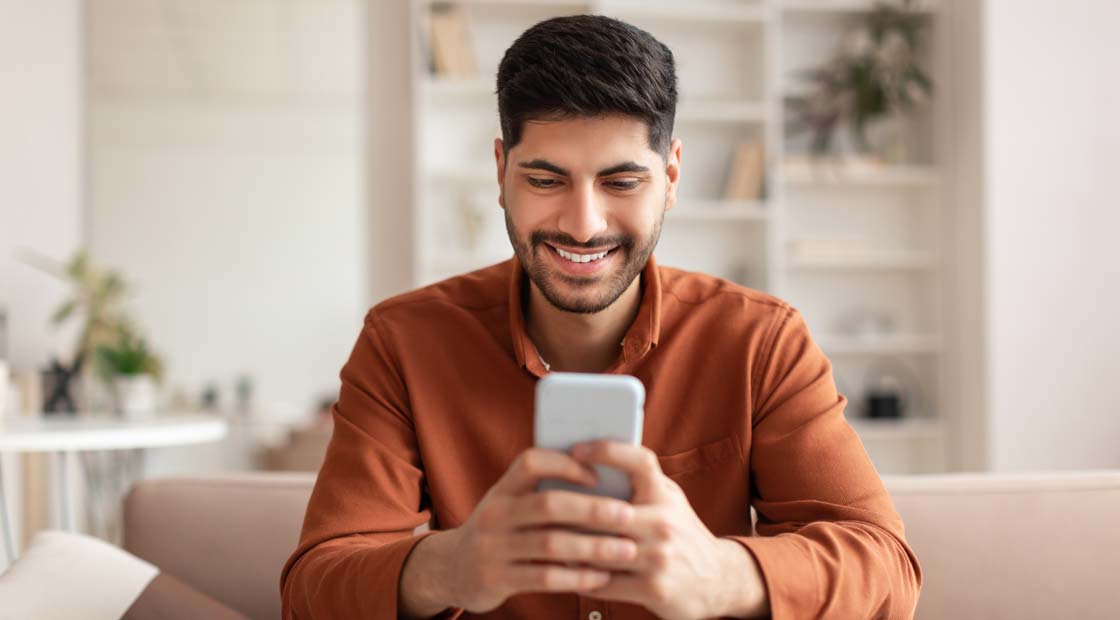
136, 395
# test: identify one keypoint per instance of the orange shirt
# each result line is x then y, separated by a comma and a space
437, 401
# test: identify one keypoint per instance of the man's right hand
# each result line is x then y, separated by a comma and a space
520, 540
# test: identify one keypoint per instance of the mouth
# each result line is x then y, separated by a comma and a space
583, 262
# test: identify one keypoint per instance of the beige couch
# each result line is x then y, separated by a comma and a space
991, 546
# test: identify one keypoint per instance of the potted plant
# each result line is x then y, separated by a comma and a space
875, 77
133, 372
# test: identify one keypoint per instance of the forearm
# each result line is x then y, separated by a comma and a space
854, 569
423, 591
742, 590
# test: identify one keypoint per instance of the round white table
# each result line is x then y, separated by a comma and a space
64, 435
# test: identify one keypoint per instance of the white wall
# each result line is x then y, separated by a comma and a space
40, 166
1052, 155
226, 182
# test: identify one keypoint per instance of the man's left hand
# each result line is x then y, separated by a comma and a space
681, 570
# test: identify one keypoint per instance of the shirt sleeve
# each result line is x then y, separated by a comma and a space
830, 543
367, 501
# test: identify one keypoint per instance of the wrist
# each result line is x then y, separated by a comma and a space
743, 589
425, 586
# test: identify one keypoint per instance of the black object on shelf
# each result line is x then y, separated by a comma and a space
58, 380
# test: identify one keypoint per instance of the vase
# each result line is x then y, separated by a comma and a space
135, 396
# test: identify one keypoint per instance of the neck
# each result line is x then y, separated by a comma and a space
575, 342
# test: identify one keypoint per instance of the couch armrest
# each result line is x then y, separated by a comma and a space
228, 536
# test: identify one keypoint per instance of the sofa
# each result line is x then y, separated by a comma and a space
991, 546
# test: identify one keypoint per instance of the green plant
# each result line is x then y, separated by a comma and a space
875, 75
128, 356
107, 334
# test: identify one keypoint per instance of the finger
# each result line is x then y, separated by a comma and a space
626, 588
569, 508
556, 545
535, 464
554, 578
637, 461
651, 525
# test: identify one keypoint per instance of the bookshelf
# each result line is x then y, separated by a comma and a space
835, 240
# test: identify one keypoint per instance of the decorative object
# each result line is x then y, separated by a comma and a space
119, 355
874, 77
746, 178
58, 381
891, 390
133, 371
450, 42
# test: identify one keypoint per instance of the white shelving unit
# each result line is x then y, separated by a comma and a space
736, 60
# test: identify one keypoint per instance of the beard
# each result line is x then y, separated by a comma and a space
592, 294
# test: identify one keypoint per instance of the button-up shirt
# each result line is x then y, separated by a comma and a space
741, 408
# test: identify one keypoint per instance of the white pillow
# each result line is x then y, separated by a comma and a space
62, 576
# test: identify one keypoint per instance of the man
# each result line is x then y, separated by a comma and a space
434, 419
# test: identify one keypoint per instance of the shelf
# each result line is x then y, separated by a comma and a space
867, 262
459, 86
886, 344
720, 211
691, 12
839, 174
846, 6
721, 111
536, 4
901, 428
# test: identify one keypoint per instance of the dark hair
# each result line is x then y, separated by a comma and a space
584, 66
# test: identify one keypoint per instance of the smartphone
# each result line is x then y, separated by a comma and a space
573, 408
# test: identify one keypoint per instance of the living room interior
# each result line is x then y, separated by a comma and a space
199, 202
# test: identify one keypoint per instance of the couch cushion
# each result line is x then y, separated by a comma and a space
226, 535
63, 575
995, 546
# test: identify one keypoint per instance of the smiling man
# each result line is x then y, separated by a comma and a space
434, 419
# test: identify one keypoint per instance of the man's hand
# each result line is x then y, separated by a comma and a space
681, 571
520, 540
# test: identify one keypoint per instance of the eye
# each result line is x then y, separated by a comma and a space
624, 184
543, 183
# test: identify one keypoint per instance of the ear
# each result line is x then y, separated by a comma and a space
500, 161
672, 173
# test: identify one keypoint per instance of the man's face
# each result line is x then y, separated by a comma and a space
584, 200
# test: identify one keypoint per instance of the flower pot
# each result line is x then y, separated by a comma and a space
135, 395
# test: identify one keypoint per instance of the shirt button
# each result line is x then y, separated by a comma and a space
595, 615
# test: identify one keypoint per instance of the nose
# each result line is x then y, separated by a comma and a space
584, 215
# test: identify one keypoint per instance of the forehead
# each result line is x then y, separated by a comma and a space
584, 142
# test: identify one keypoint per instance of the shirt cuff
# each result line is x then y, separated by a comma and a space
787, 571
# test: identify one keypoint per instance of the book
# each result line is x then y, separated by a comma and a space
745, 178
449, 39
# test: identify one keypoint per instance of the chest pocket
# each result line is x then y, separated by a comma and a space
700, 458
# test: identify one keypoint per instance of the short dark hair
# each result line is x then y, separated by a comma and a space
586, 66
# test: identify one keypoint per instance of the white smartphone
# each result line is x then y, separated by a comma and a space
573, 408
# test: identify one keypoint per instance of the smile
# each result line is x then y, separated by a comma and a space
582, 258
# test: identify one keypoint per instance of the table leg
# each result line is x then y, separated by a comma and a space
63, 516
9, 542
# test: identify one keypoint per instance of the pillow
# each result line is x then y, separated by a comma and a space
63, 575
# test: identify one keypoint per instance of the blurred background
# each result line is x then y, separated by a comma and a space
199, 200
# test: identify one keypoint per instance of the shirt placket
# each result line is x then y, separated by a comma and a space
592, 609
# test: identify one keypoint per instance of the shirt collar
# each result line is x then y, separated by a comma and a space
640, 337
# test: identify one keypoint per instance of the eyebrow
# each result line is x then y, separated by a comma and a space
542, 164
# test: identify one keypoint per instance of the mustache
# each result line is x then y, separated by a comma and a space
559, 238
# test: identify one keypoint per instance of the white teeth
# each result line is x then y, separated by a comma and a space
581, 258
